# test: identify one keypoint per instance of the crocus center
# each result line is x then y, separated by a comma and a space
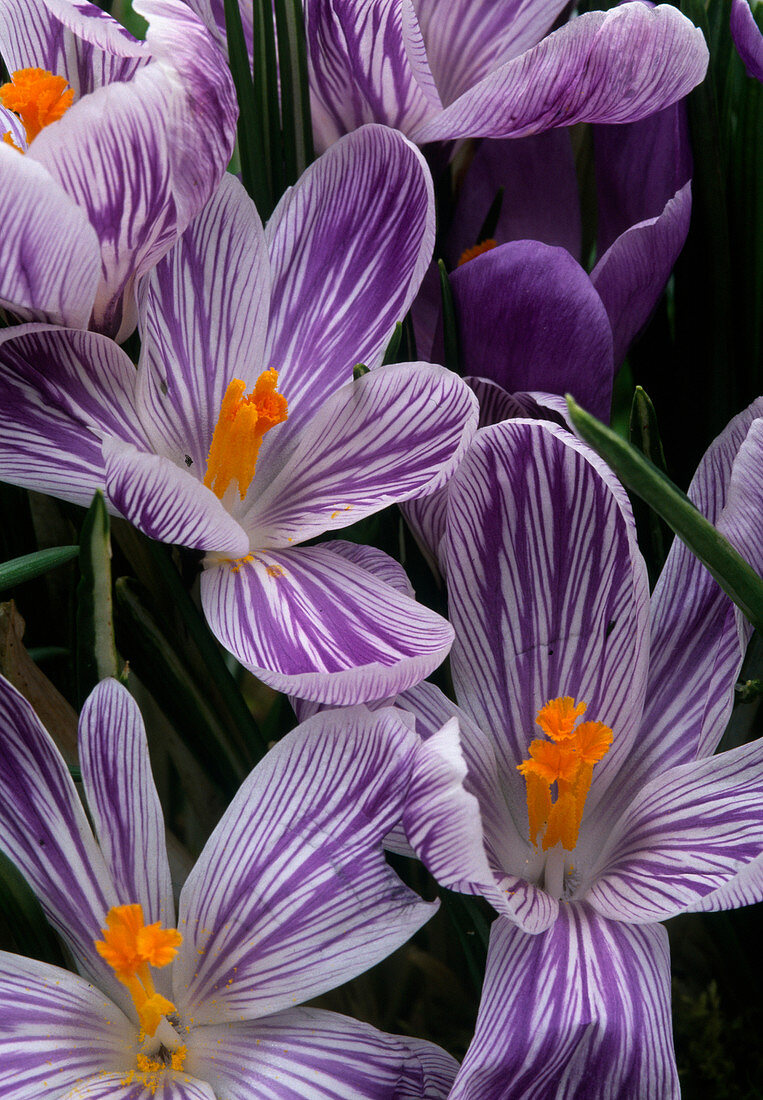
475, 250
38, 98
566, 760
243, 421
131, 948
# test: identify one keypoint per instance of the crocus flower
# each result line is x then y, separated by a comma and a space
481, 68
589, 723
291, 896
748, 38
101, 177
281, 317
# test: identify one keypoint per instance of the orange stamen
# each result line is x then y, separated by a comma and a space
129, 947
568, 760
37, 97
475, 250
242, 423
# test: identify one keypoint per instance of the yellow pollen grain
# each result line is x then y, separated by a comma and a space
38, 97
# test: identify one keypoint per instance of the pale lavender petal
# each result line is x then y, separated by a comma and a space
71, 38
168, 503
683, 836
310, 624
57, 1029
587, 1003
117, 1086
632, 273
547, 593
745, 888
349, 245
529, 319
62, 392
748, 38
617, 66
367, 64
203, 320
398, 432
373, 561
123, 803
292, 895
43, 829
49, 255
467, 39
311, 1054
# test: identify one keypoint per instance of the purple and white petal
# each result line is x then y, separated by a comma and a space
62, 392
745, 888
311, 1054
547, 593
632, 273
398, 432
587, 1002
123, 803
49, 253
349, 245
529, 319
44, 830
203, 314
618, 66
312, 624
748, 38
57, 1029
368, 63
687, 833
118, 1086
292, 895
168, 503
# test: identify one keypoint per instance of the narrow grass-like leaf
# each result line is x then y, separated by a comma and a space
645, 435
265, 84
34, 565
96, 652
392, 350
296, 122
735, 576
490, 224
251, 136
449, 325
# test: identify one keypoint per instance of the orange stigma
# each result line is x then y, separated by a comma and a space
130, 947
567, 759
37, 97
242, 423
475, 250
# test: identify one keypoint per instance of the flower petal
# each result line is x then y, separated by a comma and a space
587, 1002
683, 836
529, 319
291, 895
397, 432
748, 38
43, 829
311, 624
203, 320
117, 1086
547, 593
49, 254
123, 803
349, 245
311, 1054
57, 1029
745, 888
617, 66
167, 503
367, 64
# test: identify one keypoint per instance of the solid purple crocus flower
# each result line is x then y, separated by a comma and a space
481, 68
138, 145
290, 897
748, 38
184, 454
589, 721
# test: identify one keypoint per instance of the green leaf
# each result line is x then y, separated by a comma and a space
266, 105
34, 565
359, 370
737, 579
296, 122
645, 435
251, 132
452, 356
490, 224
96, 652
22, 913
393, 347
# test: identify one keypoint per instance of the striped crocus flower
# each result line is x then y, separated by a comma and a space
589, 720
290, 897
243, 434
108, 148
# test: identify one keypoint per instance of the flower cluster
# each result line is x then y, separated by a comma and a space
245, 380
